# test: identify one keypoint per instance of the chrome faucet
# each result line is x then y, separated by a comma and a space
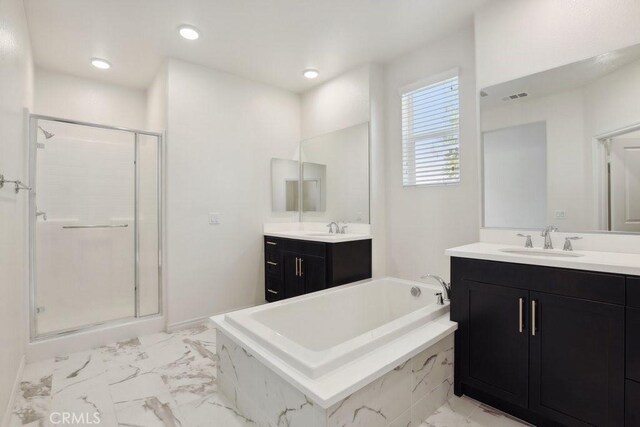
446, 287
528, 243
567, 243
331, 224
546, 233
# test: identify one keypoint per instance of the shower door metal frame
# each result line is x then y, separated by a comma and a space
32, 137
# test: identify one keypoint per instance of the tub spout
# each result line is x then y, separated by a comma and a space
446, 287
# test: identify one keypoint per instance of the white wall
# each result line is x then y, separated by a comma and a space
66, 96
156, 103
377, 149
337, 104
515, 38
222, 133
16, 89
424, 221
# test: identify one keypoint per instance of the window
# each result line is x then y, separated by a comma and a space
430, 133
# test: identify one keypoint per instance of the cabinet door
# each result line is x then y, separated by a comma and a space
494, 340
314, 273
577, 361
632, 397
293, 281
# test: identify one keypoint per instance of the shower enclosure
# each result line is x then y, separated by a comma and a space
95, 225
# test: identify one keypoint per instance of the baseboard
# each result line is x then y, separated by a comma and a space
6, 419
186, 324
172, 327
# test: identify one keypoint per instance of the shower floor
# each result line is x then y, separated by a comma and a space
65, 315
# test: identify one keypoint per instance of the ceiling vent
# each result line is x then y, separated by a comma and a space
515, 96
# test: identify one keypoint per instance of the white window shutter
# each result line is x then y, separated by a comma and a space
430, 134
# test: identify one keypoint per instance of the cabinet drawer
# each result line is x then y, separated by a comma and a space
633, 292
273, 261
273, 289
602, 287
632, 407
633, 344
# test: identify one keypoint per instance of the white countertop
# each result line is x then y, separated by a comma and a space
607, 262
317, 236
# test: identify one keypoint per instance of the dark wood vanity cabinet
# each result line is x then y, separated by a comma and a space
296, 267
544, 344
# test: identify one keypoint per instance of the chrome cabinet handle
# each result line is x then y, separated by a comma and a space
297, 271
272, 291
272, 263
301, 272
271, 243
520, 315
533, 318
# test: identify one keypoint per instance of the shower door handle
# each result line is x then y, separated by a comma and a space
97, 226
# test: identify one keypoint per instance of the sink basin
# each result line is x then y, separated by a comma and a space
320, 234
542, 253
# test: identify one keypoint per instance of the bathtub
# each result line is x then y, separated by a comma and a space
317, 333
330, 344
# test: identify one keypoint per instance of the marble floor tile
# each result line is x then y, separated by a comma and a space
88, 400
189, 379
214, 410
170, 380
34, 399
144, 400
466, 412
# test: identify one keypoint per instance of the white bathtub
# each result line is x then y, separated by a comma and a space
330, 344
319, 332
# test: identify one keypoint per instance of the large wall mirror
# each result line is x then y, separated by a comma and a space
331, 180
562, 147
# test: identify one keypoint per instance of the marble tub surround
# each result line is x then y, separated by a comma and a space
606, 262
366, 345
309, 231
406, 395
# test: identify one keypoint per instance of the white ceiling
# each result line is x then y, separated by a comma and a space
566, 77
266, 40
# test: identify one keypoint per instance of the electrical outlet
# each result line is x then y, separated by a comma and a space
214, 218
561, 214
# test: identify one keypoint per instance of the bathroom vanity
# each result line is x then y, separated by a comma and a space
551, 341
298, 263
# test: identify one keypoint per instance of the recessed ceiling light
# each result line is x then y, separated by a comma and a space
189, 32
100, 63
311, 73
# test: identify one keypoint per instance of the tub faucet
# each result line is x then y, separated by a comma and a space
446, 287
546, 233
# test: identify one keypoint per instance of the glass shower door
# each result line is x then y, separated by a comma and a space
85, 228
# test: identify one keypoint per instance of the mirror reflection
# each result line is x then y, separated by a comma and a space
562, 147
285, 178
335, 170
